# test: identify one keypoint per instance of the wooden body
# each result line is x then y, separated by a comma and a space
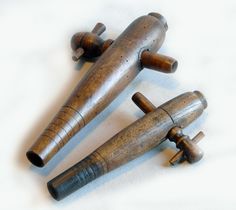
138, 138
112, 72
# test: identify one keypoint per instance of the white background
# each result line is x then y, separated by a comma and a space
37, 75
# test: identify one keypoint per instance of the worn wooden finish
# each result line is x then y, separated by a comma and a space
136, 139
181, 156
118, 65
158, 62
189, 148
89, 45
143, 103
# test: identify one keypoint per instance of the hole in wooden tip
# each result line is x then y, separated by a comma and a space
174, 66
35, 159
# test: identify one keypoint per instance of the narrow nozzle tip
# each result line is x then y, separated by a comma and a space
202, 98
173, 65
35, 159
53, 191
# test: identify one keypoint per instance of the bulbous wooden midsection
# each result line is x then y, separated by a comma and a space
106, 79
185, 108
138, 138
116, 68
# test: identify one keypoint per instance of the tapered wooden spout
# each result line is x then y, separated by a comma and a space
111, 74
133, 141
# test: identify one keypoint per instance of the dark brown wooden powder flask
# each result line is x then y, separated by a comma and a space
121, 60
159, 124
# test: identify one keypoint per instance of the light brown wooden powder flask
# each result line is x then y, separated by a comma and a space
121, 60
159, 124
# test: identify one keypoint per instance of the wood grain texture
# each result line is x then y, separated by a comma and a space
133, 141
114, 70
158, 62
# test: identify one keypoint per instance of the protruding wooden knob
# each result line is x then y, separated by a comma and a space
179, 156
99, 29
89, 44
143, 103
158, 62
188, 148
77, 54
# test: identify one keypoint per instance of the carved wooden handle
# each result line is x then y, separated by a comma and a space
89, 44
179, 156
189, 149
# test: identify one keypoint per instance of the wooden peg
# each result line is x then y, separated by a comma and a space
189, 148
158, 62
77, 54
89, 44
143, 103
99, 29
179, 156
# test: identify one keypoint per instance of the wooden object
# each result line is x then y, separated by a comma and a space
180, 156
141, 136
120, 62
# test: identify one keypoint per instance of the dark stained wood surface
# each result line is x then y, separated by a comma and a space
136, 139
118, 65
